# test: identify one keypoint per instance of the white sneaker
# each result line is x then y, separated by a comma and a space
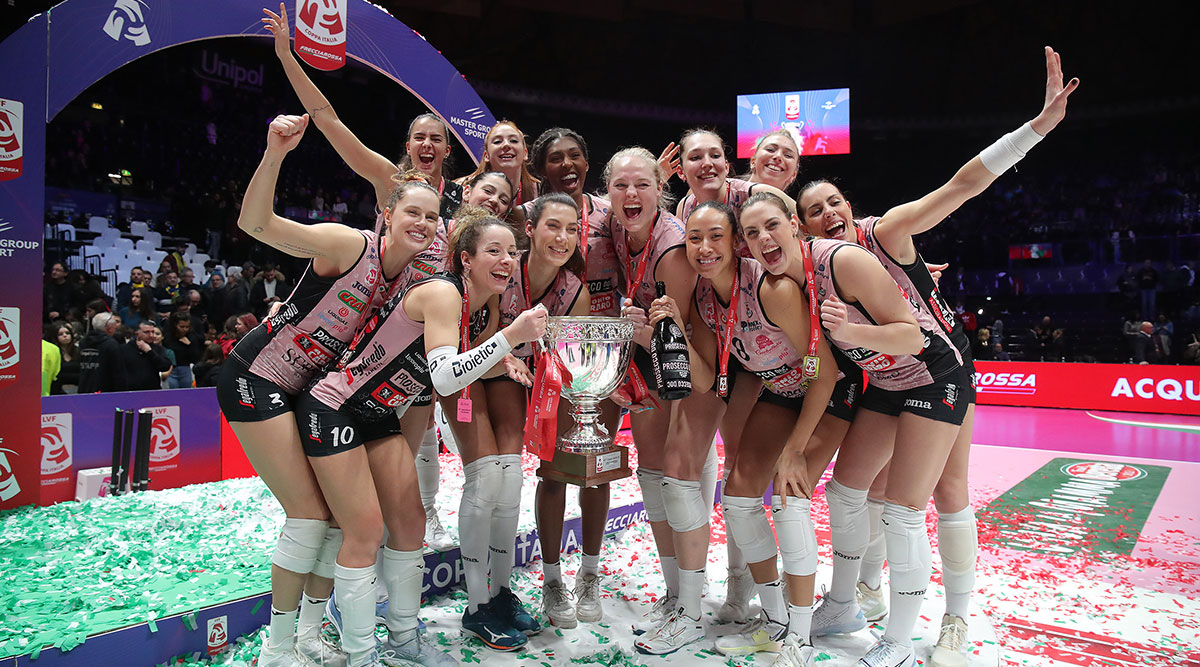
871, 601
795, 654
556, 605
587, 599
739, 588
654, 618
951, 643
831, 618
416, 651
676, 631
760, 634
320, 651
436, 537
280, 657
887, 653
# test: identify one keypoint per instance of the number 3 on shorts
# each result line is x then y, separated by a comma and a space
276, 399
342, 435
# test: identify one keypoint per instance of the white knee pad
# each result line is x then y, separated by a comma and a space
510, 479
299, 543
483, 479
746, 522
652, 495
684, 504
848, 517
797, 536
708, 477
957, 544
327, 556
908, 543
874, 514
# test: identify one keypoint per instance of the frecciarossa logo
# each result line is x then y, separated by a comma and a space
1006, 383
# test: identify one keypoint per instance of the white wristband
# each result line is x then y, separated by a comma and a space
1009, 149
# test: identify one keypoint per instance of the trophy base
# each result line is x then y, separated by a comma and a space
590, 469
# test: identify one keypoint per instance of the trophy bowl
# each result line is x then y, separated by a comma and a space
596, 351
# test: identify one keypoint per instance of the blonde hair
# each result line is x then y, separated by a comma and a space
666, 200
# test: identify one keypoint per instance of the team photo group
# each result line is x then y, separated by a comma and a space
762, 308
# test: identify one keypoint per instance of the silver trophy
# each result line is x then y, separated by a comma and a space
596, 352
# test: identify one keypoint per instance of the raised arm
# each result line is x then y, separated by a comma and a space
335, 248
897, 227
861, 278
365, 162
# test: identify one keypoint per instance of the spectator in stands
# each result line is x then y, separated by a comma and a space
214, 299
970, 324
92, 308
1145, 351
101, 368
267, 291
228, 337
137, 280
187, 346
209, 366
192, 302
982, 349
51, 365
999, 353
63, 336
158, 340
997, 329
1164, 332
237, 298
1057, 349
145, 361
340, 208
139, 309
1042, 334
56, 295
1147, 281
187, 281
166, 293
176, 260
1127, 286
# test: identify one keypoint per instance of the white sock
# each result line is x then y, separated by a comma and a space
670, 568
403, 572
428, 470
800, 621
480, 488
356, 600
871, 571
283, 629
591, 565
909, 564
850, 534
691, 585
551, 572
774, 606
312, 615
957, 545
505, 520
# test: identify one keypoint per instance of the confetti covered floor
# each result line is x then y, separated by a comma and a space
1085, 559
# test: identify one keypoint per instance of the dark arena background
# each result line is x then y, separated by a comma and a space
1074, 276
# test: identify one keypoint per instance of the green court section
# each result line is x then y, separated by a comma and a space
1077, 505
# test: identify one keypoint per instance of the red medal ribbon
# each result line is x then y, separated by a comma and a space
725, 337
541, 425
812, 363
643, 262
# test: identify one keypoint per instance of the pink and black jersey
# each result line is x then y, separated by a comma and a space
559, 298
737, 192
317, 322
762, 347
665, 236
915, 279
386, 367
890, 372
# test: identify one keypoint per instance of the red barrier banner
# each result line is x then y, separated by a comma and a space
1122, 387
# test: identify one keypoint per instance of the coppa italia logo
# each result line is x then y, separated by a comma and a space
218, 634
9, 488
10, 345
1006, 383
127, 20
321, 33
56, 444
1103, 471
12, 137
164, 434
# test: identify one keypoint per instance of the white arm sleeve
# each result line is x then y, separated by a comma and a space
452, 372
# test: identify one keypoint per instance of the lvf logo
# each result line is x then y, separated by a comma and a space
56, 443
218, 634
12, 137
164, 433
128, 20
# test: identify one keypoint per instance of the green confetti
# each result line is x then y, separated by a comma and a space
189, 621
257, 605
153, 625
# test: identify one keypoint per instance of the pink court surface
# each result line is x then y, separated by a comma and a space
1089, 535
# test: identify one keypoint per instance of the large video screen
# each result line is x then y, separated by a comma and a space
819, 120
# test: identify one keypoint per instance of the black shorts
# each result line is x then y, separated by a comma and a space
945, 400
246, 397
969, 366
846, 396
735, 367
793, 404
325, 431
